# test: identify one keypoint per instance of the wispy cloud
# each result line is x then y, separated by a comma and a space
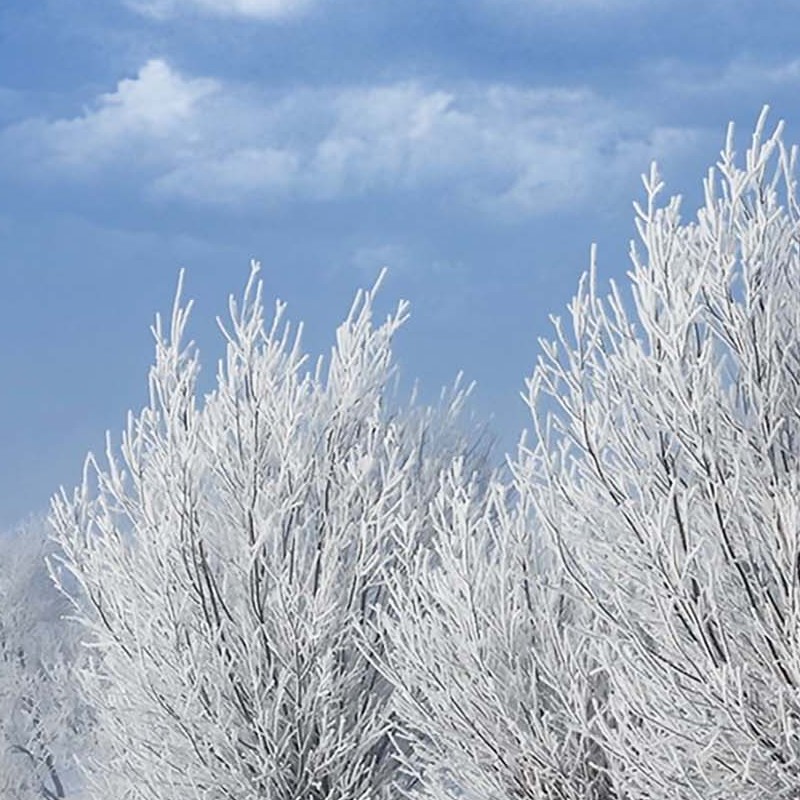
370, 259
533, 9
741, 74
253, 9
9, 102
504, 149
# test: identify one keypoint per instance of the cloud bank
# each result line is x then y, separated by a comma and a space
500, 148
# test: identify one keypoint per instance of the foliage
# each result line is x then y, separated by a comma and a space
621, 619
666, 463
43, 723
495, 683
231, 563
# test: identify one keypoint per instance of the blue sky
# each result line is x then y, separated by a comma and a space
475, 147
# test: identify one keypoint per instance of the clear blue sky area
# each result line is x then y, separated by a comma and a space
475, 147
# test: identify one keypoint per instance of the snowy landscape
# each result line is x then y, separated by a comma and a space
296, 569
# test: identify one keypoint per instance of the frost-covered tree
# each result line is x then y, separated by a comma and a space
665, 468
43, 723
231, 561
621, 620
495, 677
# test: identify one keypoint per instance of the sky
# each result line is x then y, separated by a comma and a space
476, 148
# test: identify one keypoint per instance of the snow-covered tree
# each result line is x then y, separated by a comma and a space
231, 562
495, 677
43, 723
665, 468
621, 619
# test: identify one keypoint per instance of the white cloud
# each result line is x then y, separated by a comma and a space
254, 9
156, 109
231, 177
503, 149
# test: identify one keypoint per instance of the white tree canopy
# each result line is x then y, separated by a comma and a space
666, 470
231, 561
292, 589
621, 619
